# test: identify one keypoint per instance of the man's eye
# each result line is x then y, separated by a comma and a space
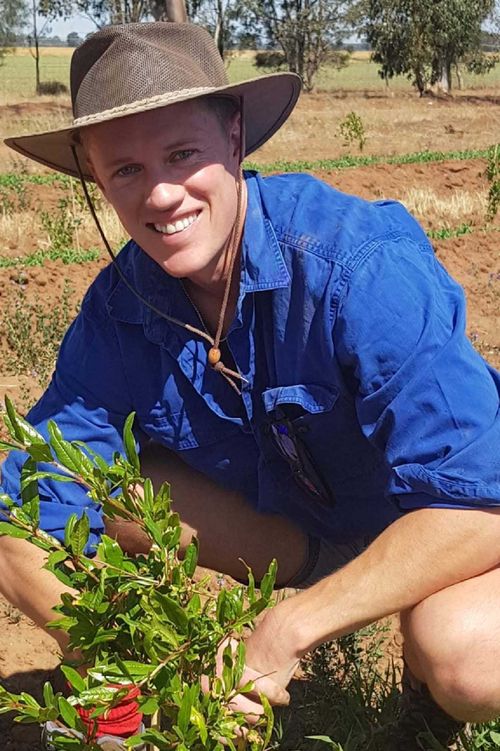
180, 155
127, 170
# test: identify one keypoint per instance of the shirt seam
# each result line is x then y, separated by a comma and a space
122, 359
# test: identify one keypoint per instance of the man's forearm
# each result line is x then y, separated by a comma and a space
28, 586
420, 554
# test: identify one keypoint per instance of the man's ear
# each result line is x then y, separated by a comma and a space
85, 149
93, 172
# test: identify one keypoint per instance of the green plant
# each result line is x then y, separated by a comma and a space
493, 175
352, 130
61, 227
447, 233
144, 620
34, 334
348, 697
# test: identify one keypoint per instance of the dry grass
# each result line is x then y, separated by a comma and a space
444, 211
393, 125
13, 229
65, 52
16, 229
111, 225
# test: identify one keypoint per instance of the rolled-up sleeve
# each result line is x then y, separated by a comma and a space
424, 396
89, 400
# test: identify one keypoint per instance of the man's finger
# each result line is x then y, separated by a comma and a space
264, 684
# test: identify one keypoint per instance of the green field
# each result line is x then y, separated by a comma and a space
17, 74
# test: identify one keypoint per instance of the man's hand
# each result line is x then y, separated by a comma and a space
268, 684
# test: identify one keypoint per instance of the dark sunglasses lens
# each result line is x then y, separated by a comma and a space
302, 467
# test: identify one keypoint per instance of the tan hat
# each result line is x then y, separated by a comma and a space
131, 68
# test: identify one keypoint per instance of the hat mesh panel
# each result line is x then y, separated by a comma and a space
141, 62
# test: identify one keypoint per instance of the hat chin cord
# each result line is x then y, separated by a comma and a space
230, 253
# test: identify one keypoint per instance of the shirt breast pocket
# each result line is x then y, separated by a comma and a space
318, 426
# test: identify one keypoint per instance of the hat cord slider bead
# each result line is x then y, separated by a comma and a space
214, 355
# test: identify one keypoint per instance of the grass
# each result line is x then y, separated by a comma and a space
454, 207
17, 75
349, 161
38, 258
448, 233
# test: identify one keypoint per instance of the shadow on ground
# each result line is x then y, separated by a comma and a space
13, 735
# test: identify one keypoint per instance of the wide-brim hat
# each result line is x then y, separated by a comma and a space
131, 68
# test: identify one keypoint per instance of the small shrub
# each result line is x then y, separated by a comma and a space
338, 59
143, 620
270, 60
352, 130
52, 88
493, 175
62, 225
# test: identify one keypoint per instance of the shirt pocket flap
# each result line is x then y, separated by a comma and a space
312, 397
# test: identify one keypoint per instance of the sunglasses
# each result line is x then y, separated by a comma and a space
292, 449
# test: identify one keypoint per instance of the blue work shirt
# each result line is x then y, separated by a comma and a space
345, 322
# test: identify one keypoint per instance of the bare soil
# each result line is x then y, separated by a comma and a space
27, 655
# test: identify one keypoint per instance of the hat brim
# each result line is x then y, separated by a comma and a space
268, 102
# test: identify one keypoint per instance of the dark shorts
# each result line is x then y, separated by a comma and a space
326, 557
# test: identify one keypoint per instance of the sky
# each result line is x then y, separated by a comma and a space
80, 24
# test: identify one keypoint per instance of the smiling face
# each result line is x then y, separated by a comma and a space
170, 174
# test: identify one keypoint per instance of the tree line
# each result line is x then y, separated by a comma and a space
424, 40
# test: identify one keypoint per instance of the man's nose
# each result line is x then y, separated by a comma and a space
163, 194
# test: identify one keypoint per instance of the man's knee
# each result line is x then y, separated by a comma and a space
457, 653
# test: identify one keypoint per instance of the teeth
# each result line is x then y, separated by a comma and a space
179, 226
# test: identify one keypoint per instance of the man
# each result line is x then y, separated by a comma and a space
299, 369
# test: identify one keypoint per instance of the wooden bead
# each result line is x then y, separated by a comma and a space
214, 355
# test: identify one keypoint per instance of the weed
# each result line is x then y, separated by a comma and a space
7, 205
38, 258
352, 130
493, 175
34, 334
349, 162
62, 226
447, 233
347, 696
14, 198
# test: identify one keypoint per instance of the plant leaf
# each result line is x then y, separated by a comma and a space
6, 528
74, 678
191, 557
129, 443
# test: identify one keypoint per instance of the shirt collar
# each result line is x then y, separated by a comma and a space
262, 264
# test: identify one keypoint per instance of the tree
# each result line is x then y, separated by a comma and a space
219, 17
304, 29
102, 12
424, 39
34, 39
13, 15
73, 39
